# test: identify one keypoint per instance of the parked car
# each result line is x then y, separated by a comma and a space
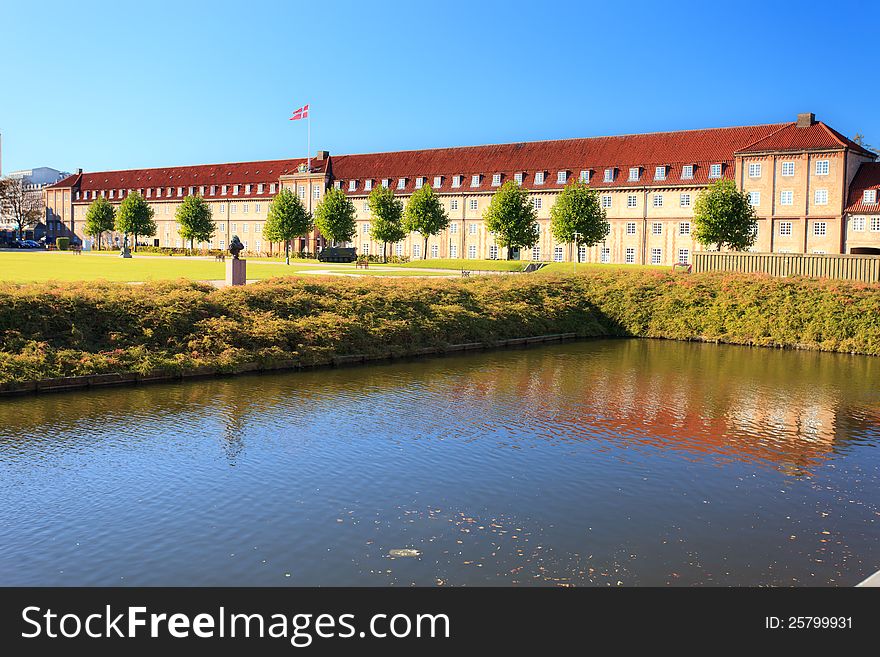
32, 244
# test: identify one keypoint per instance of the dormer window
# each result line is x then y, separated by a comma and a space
201, 190
260, 188
121, 193
77, 196
585, 176
180, 191
235, 190
609, 175
635, 173
192, 191
352, 185
539, 177
111, 193
149, 192
869, 196
368, 184
714, 170
561, 177
496, 179
420, 182
518, 177
158, 192
438, 181
660, 173
475, 180
401, 183
337, 184
224, 189
687, 171
247, 189
386, 182
456, 181
272, 188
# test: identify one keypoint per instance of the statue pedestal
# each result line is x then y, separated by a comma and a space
236, 271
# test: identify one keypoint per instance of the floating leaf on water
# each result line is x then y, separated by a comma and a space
405, 552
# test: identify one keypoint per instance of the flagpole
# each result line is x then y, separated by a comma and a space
309, 144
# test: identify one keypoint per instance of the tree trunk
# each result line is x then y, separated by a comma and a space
287, 251
425, 254
384, 251
510, 253
191, 245
135, 242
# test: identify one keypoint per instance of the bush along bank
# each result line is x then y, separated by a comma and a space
57, 330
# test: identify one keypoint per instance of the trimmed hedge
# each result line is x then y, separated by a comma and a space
66, 329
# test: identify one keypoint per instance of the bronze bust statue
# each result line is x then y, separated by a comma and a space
235, 247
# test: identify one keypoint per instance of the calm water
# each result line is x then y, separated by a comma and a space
596, 463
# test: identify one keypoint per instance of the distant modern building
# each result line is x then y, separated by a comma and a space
811, 188
35, 181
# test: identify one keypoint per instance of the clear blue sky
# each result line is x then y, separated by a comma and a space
123, 85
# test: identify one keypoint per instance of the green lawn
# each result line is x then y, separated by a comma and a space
584, 267
466, 263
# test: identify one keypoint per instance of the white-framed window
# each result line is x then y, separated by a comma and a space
684, 256
366, 206
558, 253
260, 188
244, 228
417, 250
368, 185
875, 224
301, 191
398, 249
167, 209
112, 191
222, 207
352, 185
820, 228
435, 250
456, 181
222, 228
365, 248
453, 250
687, 171
684, 200
537, 202
820, 197
475, 180
234, 228
493, 252
539, 177
472, 251
453, 228
822, 167
258, 228
605, 254
631, 228
222, 244
659, 173
247, 189
714, 170
386, 182
869, 196
472, 229
233, 208
536, 252
788, 169
634, 173
632, 200
496, 179
420, 182
272, 188
754, 170
606, 200
473, 204
259, 246
453, 204
438, 182
630, 255
656, 228
786, 197
858, 224
658, 200
755, 199
401, 183
234, 190
684, 227
785, 228
585, 176
518, 177
561, 177
818, 252
244, 207
365, 228
582, 253
316, 192
656, 256
609, 175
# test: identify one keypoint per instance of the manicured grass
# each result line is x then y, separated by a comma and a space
594, 267
61, 329
466, 263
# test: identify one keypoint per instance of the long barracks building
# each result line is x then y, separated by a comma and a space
813, 189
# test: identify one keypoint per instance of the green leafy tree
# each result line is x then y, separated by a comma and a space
723, 217
386, 224
100, 218
578, 217
425, 215
334, 216
194, 217
287, 219
135, 216
511, 215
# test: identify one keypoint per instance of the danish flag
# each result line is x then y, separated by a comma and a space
301, 113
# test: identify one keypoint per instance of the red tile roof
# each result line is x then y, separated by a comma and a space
791, 137
671, 149
237, 173
867, 177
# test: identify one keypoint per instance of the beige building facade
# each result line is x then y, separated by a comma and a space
799, 175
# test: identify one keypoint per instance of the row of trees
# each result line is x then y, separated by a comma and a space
722, 217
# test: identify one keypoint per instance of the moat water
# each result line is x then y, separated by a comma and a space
628, 462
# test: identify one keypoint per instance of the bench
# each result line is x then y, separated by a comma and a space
362, 264
77, 250
681, 266
465, 273
220, 257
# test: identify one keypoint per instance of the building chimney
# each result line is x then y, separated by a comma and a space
322, 155
806, 119
79, 171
